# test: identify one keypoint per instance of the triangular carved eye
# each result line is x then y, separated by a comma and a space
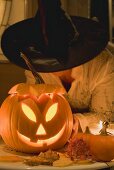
28, 112
51, 112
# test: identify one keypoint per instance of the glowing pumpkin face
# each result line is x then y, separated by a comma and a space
33, 124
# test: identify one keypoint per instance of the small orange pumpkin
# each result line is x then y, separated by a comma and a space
101, 146
33, 123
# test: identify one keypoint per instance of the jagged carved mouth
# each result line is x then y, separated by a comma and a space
44, 142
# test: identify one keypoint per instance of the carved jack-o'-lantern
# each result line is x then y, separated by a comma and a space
33, 124
36, 89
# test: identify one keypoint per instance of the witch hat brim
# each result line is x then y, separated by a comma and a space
26, 37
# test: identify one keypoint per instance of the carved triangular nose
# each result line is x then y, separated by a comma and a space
41, 130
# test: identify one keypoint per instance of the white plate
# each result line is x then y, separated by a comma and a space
21, 166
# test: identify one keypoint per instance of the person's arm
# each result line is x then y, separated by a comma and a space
100, 83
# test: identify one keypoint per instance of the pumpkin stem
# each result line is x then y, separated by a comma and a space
37, 77
103, 131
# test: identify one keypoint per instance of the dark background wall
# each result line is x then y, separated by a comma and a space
10, 75
99, 9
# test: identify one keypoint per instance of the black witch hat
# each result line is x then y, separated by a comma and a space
52, 40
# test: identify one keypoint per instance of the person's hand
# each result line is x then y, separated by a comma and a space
75, 129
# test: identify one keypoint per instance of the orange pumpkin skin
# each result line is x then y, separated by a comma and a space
101, 146
21, 133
